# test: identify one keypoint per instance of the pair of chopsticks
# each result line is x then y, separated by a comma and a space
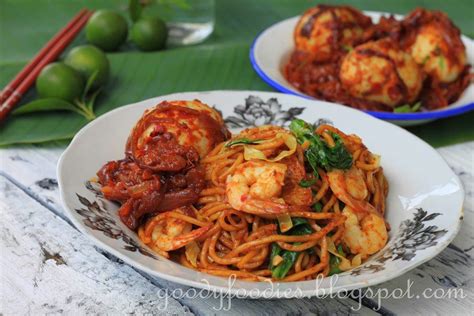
13, 92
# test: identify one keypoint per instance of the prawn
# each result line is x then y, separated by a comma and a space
364, 234
365, 231
170, 233
255, 186
349, 187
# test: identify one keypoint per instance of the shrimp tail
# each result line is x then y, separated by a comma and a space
337, 183
183, 240
261, 207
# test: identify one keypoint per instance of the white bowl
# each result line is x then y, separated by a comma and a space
271, 51
424, 204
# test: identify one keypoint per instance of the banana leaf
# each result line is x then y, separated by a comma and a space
221, 62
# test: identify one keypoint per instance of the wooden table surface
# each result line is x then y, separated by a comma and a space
48, 266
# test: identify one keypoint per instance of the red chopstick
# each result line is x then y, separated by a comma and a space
50, 52
6, 92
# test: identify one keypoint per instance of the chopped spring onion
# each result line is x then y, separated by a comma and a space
317, 207
307, 183
407, 108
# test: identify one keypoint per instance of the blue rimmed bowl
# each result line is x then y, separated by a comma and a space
272, 48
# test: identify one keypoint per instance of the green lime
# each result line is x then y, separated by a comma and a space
107, 30
149, 33
88, 59
58, 80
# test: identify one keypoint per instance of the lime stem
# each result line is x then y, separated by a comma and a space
85, 111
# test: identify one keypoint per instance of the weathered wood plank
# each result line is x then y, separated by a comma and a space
34, 170
49, 267
56, 269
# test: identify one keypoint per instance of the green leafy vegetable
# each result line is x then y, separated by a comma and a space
275, 251
130, 69
441, 63
300, 227
289, 258
317, 207
407, 108
134, 9
243, 141
319, 154
307, 183
347, 48
425, 60
335, 261
299, 221
47, 104
402, 109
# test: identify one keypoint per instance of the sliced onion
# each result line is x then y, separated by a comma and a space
192, 252
345, 263
277, 260
285, 222
250, 152
376, 159
357, 260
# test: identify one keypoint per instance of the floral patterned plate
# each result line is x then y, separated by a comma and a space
424, 206
271, 50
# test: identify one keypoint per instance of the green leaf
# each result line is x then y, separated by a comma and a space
335, 261
347, 48
416, 106
43, 105
319, 154
301, 229
275, 251
134, 9
317, 207
289, 258
90, 102
297, 221
402, 109
89, 83
243, 141
338, 156
406, 108
221, 62
138, 76
441, 62
425, 60
307, 183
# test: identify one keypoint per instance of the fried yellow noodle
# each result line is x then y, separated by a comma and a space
265, 213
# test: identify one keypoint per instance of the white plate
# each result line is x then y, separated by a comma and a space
424, 206
271, 51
